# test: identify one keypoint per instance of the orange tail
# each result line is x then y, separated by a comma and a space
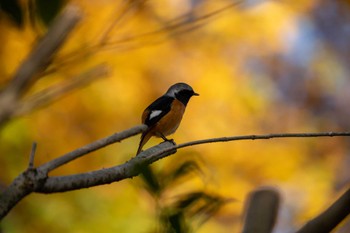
144, 139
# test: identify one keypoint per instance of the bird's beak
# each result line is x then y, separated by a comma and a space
195, 94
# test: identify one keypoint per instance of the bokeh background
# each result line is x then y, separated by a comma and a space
260, 67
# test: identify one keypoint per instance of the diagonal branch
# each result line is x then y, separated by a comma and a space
42, 54
178, 25
129, 169
117, 137
37, 61
331, 217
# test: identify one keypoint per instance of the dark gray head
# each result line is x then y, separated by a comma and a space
181, 91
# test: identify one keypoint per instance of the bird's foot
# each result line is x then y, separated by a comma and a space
171, 141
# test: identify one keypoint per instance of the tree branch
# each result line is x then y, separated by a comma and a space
37, 60
177, 25
34, 178
129, 169
37, 180
331, 217
42, 54
151, 155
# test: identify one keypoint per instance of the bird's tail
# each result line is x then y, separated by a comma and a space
144, 139
146, 171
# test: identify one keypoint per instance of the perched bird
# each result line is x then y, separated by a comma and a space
164, 115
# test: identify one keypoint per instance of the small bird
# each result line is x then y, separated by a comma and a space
164, 115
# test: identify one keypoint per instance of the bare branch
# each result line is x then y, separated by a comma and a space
105, 176
266, 136
51, 94
177, 26
37, 61
41, 55
331, 217
117, 137
261, 210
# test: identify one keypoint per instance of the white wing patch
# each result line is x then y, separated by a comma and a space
154, 113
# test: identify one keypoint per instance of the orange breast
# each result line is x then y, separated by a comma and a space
171, 121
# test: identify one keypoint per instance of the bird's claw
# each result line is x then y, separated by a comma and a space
171, 141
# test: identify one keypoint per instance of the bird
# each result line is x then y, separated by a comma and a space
164, 115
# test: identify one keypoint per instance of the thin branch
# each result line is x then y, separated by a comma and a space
266, 136
117, 137
127, 9
178, 25
53, 93
32, 155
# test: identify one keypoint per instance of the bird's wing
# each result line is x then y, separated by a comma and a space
155, 111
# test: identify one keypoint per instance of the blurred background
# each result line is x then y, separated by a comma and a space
260, 67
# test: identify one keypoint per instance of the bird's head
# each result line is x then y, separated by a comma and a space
181, 91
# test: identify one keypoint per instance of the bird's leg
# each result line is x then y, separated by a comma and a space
166, 139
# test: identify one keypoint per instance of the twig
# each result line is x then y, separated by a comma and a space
156, 156
53, 93
128, 6
132, 41
266, 136
179, 22
32, 155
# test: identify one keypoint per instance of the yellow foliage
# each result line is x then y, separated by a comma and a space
146, 56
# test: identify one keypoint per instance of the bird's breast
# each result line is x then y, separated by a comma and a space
171, 121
